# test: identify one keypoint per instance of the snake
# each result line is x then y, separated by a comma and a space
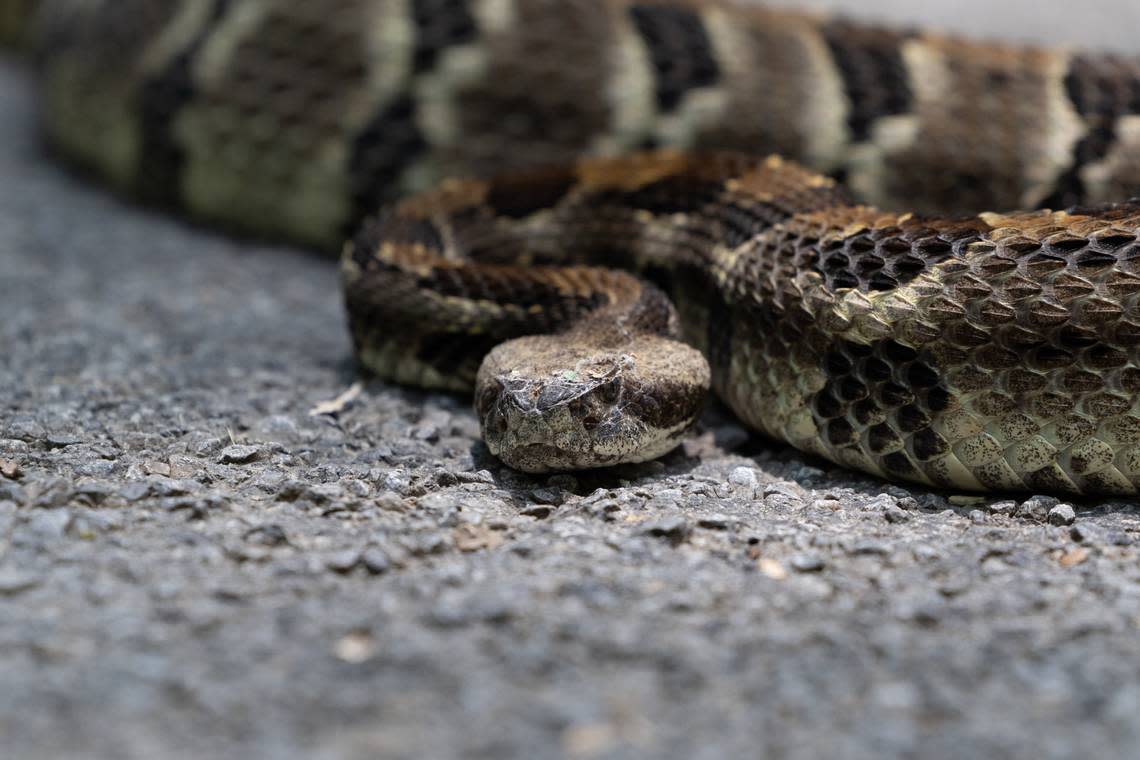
905, 252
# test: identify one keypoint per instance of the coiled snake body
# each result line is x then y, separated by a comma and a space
931, 343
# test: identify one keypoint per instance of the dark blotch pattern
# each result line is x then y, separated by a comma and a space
679, 48
161, 99
874, 75
389, 143
882, 399
888, 257
1102, 89
520, 195
672, 195
439, 25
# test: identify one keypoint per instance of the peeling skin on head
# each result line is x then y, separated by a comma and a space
552, 403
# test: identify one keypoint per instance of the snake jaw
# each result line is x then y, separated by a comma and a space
548, 405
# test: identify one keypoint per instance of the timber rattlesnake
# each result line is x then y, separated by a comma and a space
940, 345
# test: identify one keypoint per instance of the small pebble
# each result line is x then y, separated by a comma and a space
93, 492
94, 468
926, 553
667, 496
806, 563
1037, 507
239, 454
743, 476
895, 515
343, 561
806, 473
270, 534
169, 487
673, 528
548, 495
269, 481
49, 523
14, 582
772, 568
1119, 538
1062, 514
714, 522
1085, 534
375, 560
1006, 507
870, 546
135, 490
26, 430
880, 503
208, 447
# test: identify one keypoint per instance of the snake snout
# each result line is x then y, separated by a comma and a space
546, 405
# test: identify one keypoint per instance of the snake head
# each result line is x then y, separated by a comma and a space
550, 403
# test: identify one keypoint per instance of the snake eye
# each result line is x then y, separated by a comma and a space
485, 400
496, 421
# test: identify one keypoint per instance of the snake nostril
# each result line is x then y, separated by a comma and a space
591, 421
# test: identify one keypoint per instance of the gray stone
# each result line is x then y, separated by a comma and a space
14, 581
376, 560
674, 528
871, 546
25, 429
343, 561
881, 503
239, 454
895, 515
1037, 507
539, 511
135, 490
715, 521
1004, 507
806, 562
1062, 514
547, 495
49, 523
743, 476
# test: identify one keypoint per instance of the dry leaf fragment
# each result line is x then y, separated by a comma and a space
1074, 557
772, 568
472, 538
338, 404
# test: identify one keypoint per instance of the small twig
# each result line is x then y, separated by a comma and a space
338, 404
